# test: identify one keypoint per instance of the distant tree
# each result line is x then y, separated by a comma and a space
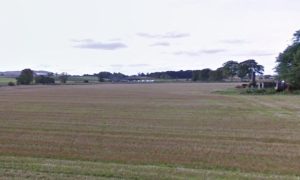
63, 77
288, 63
104, 75
26, 77
117, 77
246, 68
201, 75
196, 75
165, 76
44, 80
141, 74
172, 74
204, 74
216, 75
230, 69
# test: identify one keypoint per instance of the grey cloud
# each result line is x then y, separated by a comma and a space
160, 44
91, 44
169, 35
200, 52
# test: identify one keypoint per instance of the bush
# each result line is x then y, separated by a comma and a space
11, 84
258, 91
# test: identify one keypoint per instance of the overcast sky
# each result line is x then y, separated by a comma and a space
131, 36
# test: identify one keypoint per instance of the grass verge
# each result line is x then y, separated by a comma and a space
42, 168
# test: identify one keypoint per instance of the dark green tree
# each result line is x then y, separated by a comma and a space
246, 68
204, 74
216, 75
196, 75
104, 75
230, 69
288, 63
44, 80
26, 77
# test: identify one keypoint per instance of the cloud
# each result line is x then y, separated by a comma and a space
160, 44
234, 41
200, 52
169, 35
91, 44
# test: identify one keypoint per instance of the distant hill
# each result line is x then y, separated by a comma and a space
14, 74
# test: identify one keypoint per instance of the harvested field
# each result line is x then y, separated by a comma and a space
167, 131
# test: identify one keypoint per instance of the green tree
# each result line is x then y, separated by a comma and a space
230, 69
288, 63
44, 80
26, 77
164, 76
204, 74
216, 75
246, 68
104, 75
196, 75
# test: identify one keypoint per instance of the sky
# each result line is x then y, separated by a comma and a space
133, 36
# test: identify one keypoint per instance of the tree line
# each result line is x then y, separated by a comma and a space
229, 69
288, 69
28, 77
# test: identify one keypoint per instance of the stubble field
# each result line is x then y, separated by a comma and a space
147, 131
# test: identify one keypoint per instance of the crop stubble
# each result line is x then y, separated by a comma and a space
172, 125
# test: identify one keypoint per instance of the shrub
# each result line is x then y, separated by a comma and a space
11, 84
255, 91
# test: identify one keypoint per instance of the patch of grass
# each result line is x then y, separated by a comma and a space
66, 169
229, 91
5, 81
82, 79
250, 91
